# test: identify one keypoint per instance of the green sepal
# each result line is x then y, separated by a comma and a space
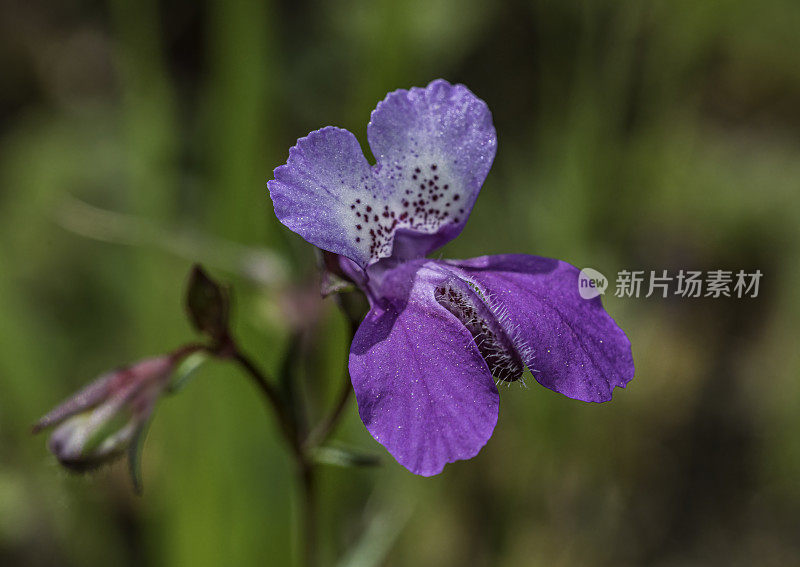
135, 450
186, 370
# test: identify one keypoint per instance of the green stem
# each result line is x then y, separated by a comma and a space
327, 426
309, 514
322, 432
291, 428
304, 465
273, 398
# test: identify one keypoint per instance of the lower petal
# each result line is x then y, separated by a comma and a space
570, 344
424, 391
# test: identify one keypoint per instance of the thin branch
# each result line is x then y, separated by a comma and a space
325, 429
309, 514
322, 432
305, 467
274, 400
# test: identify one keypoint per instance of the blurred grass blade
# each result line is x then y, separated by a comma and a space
383, 529
261, 265
344, 457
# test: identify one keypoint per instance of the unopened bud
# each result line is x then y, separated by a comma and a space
208, 304
97, 424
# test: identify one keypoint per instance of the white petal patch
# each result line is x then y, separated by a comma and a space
423, 198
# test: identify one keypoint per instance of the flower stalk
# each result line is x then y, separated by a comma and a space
109, 416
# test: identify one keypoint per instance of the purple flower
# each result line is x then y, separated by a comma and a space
439, 333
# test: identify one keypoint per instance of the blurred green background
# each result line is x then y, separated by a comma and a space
137, 136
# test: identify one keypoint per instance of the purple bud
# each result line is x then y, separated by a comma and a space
97, 424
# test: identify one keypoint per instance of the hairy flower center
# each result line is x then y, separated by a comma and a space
493, 342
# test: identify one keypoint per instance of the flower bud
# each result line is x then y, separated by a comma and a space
97, 424
207, 304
